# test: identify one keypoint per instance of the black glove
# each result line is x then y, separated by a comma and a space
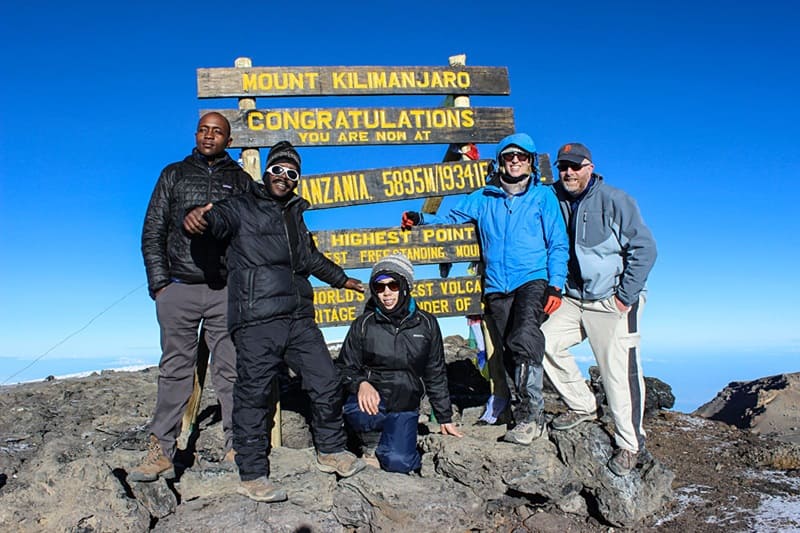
410, 218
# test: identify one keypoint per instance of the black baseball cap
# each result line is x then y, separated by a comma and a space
573, 153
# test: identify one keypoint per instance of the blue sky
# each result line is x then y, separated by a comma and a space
690, 107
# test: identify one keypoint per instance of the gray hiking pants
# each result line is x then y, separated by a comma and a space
181, 309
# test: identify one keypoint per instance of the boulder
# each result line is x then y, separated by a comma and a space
768, 406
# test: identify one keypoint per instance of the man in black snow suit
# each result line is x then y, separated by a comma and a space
186, 278
392, 355
270, 256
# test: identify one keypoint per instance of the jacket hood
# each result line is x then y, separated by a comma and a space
523, 140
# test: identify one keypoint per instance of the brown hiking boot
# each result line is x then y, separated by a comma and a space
623, 461
343, 463
228, 462
262, 490
155, 464
370, 459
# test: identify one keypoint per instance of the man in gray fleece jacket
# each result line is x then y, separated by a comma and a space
611, 253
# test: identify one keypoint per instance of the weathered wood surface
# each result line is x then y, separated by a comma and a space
357, 126
251, 159
423, 245
458, 296
389, 184
344, 81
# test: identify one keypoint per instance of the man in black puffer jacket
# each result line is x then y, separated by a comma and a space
186, 278
271, 318
392, 355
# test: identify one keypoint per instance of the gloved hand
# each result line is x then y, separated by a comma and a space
552, 299
410, 219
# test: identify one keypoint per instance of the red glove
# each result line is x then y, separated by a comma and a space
471, 152
410, 219
552, 299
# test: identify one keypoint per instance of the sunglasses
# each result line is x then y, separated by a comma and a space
380, 287
564, 165
277, 170
508, 157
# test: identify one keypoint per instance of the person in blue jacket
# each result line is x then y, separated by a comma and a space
525, 250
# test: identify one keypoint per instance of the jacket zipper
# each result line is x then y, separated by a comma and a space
250, 289
284, 217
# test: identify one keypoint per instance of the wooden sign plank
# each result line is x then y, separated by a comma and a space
358, 126
349, 81
545, 169
389, 184
458, 296
362, 248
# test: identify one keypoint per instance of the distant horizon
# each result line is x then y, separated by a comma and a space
691, 391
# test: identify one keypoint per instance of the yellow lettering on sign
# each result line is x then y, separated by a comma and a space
390, 136
340, 257
335, 314
458, 287
418, 180
335, 189
468, 251
463, 304
441, 234
370, 238
370, 119
381, 79
423, 289
331, 296
266, 81
435, 307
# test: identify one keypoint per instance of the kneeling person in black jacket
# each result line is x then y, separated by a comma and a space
392, 355
270, 256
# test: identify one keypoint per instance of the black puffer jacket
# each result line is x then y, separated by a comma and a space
270, 257
402, 363
169, 252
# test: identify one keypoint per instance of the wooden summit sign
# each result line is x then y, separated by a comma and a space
348, 81
357, 187
443, 297
455, 123
362, 248
365, 126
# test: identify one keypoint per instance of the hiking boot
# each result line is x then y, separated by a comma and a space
228, 463
526, 432
622, 461
644, 457
369, 458
570, 419
262, 490
155, 464
343, 463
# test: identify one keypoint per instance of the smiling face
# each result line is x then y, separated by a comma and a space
213, 135
388, 292
279, 184
516, 163
575, 176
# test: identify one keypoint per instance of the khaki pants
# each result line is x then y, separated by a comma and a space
615, 339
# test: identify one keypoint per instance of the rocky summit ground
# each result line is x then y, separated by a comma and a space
66, 446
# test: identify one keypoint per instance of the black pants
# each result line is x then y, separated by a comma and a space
261, 350
515, 320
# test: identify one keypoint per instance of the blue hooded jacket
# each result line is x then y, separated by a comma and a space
522, 237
